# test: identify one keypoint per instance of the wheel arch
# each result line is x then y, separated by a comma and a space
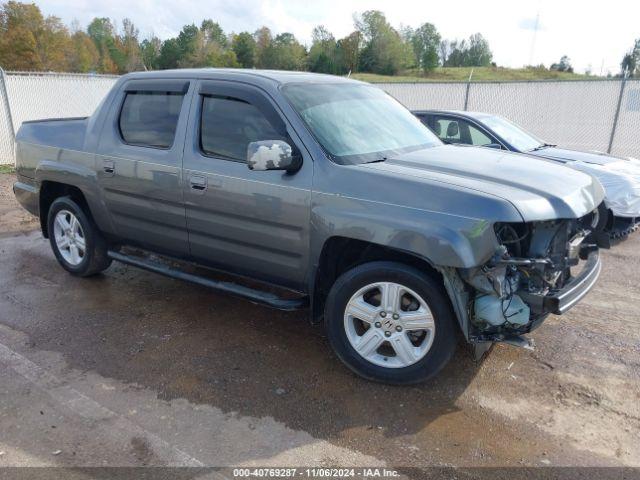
56, 179
339, 254
49, 192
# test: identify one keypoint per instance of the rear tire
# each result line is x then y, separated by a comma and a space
75, 240
390, 323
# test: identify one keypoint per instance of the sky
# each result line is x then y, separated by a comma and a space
594, 34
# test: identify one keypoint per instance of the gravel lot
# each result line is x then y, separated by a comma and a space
130, 368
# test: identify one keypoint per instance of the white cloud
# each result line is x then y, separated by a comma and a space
592, 33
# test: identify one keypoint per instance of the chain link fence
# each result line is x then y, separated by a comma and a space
602, 115
33, 96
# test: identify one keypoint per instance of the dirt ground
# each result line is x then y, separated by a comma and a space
13, 219
131, 368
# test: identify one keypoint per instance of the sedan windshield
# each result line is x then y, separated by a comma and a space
511, 133
358, 123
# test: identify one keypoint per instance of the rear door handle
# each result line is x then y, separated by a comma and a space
198, 183
109, 167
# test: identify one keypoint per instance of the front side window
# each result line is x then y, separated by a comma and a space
228, 125
357, 123
478, 138
149, 119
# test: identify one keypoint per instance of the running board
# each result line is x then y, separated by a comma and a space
257, 296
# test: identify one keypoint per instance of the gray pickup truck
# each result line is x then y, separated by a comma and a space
326, 194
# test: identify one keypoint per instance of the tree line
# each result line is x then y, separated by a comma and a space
31, 41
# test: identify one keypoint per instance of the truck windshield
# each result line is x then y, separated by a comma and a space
511, 133
358, 123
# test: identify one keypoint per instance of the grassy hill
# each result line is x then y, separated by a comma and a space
480, 74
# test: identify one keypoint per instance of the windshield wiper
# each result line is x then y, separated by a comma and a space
544, 145
378, 160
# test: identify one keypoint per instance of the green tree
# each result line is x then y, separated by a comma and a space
204, 47
348, 52
213, 33
216, 51
630, 64
102, 33
150, 52
264, 49
425, 41
187, 42
457, 53
479, 53
323, 54
383, 50
473, 52
563, 66
444, 50
54, 45
288, 53
84, 54
130, 47
244, 46
169, 54
210, 53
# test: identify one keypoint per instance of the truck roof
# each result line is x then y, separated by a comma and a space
276, 76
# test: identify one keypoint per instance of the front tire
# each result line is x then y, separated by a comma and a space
390, 323
603, 221
75, 240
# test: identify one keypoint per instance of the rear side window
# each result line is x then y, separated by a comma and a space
149, 119
228, 125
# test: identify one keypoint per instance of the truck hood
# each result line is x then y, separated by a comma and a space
539, 190
620, 177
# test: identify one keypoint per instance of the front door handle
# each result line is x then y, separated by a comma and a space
109, 167
198, 183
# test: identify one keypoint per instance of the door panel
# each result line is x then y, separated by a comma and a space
251, 222
142, 186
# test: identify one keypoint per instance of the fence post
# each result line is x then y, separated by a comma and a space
5, 98
615, 118
466, 94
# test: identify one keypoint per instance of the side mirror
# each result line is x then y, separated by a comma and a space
271, 155
497, 146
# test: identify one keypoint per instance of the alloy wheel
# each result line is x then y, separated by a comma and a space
389, 325
69, 237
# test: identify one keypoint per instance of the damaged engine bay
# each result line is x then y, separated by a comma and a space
514, 291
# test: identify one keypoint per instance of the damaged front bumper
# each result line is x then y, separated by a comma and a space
561, 300
531, 275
